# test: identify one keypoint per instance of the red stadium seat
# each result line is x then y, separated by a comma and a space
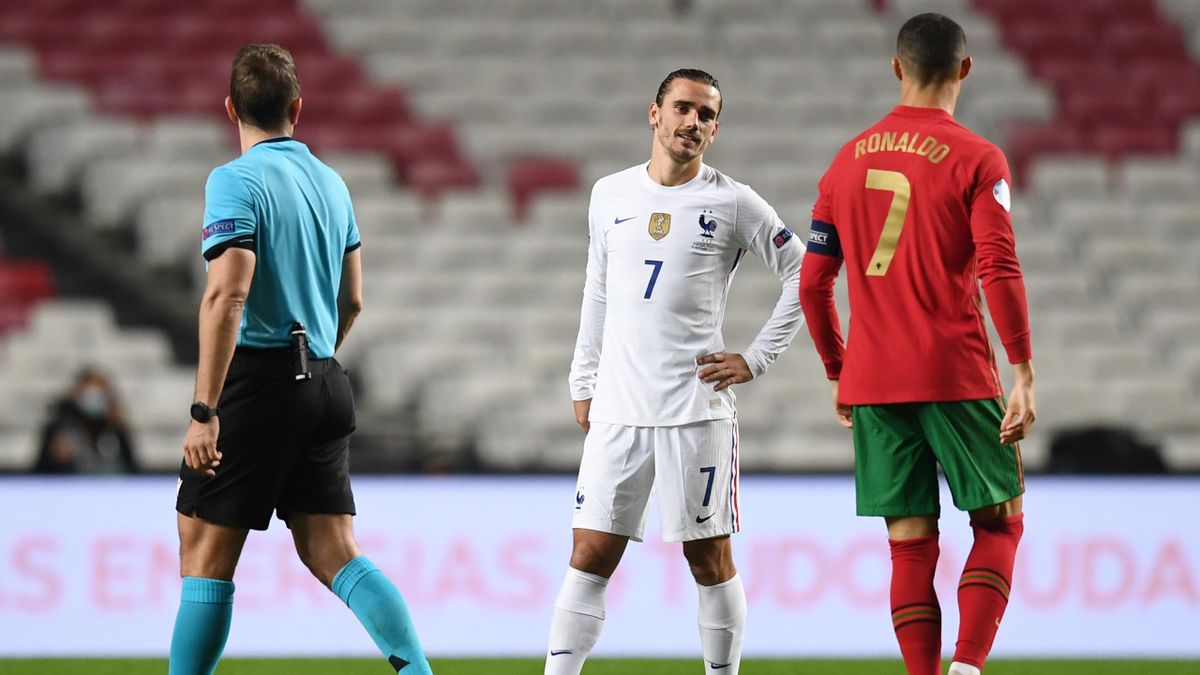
528, 176
1050, 39
1069, 72
25, 282
1088, 109
1027, 141
1179, 105
431, 177
12, 317
91, 69
1121, 70
1117, 140
329, 75
1118, 11
358, 106
1156, 75
410, 143
1125, 42
279, 7
146, 58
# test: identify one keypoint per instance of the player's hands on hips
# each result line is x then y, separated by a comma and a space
1021, 411
582, 409
724, 369
840, 409
200, 447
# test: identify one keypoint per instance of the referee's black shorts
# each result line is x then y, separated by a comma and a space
285, 444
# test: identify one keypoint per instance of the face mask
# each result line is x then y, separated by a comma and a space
93, 402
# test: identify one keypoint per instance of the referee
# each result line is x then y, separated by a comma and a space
273, 412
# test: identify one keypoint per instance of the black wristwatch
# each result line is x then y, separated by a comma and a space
202, 413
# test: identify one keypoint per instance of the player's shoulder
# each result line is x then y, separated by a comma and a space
741, 193
968, 142
231, 174
619, 180
330, 174
747, 205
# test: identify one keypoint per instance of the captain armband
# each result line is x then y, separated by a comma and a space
823, 239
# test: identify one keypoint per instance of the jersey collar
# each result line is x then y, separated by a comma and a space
697, 181
277, 139
924, 113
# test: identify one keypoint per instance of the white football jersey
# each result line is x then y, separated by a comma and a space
660, 260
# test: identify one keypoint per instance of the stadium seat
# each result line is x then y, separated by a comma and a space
1128, 138
1155, 180
432, 177
530, 176
1070, 175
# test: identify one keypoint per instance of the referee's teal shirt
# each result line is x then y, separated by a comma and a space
294, 212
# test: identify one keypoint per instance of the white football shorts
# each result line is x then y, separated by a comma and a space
692, 467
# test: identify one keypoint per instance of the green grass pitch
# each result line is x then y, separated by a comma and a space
594, 667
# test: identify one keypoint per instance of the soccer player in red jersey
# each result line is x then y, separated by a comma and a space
918, 208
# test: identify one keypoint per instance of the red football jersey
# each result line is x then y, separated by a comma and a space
918, 207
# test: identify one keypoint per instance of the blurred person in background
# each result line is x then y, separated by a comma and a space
86, 431
273, 411
918, 208
651, 379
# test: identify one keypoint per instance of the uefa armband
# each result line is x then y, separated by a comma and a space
823, 239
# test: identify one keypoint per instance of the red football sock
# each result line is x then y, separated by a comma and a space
983, 589
916, 614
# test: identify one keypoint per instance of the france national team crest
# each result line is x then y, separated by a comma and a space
660, 225
708, 225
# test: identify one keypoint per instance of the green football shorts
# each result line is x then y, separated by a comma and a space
898, 448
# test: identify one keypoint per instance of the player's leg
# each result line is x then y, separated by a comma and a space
896, 477
215, 514
697, 484
208, 555
984, 586
318, 504
616, 474
721, 612
326, 545
986, 480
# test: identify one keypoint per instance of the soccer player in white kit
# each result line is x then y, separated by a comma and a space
650, 377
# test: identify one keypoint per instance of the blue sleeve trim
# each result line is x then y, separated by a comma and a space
823, 239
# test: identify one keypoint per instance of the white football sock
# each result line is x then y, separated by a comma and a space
578, 620
722, 625
957, 668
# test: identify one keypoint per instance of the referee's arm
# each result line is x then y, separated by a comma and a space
229, 277
350, 297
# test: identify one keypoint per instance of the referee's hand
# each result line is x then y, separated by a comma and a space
200, 447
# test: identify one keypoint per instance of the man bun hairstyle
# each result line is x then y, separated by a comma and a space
693, 74
263, 85
931, 47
